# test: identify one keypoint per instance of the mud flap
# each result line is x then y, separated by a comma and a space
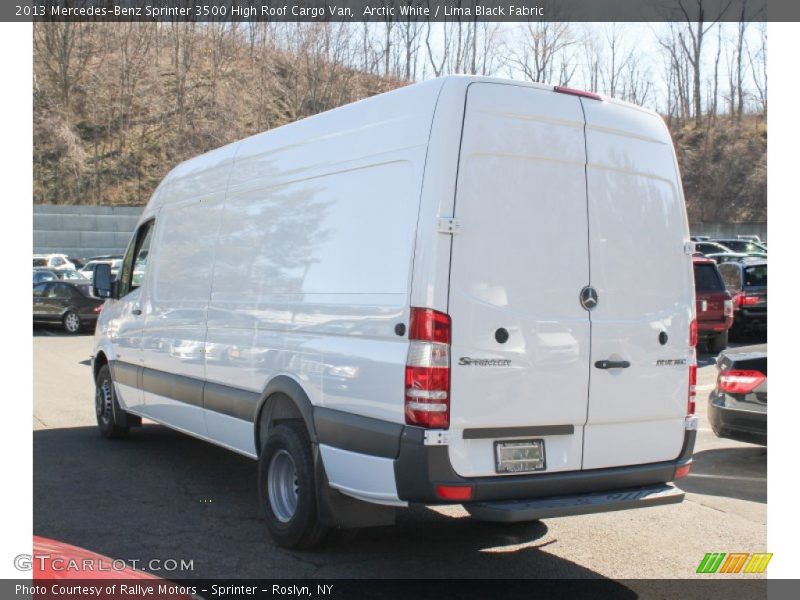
339, 511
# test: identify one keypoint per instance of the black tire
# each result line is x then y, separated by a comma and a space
719, 343
72, 322
105, 404
288, 447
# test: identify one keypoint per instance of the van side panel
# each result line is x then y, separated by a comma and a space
519, 263
313, 265
643, 278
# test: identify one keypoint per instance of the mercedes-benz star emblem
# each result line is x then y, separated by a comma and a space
588, 297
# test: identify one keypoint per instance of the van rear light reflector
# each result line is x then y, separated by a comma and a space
573, 92
693, 333
454, 492
692, 390
427, 378
736, 381
682, 471
427, 402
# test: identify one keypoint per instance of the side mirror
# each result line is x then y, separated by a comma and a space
102, 283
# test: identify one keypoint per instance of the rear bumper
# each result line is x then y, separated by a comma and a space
737, 423
514, 511
751, 318
419, 469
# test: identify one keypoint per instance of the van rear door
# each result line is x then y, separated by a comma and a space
643, 278
517, 267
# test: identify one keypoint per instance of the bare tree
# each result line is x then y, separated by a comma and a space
758, 67
539, 53
697, 26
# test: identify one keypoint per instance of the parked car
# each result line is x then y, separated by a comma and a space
743, 246
723, 257
55, 561
752, 238
714, 305
746, 280
699, 238
68, 303
420, 332
106, 257
52, 261
89, 267
40, 275
737, 408
707, 248
76, 276
78, 262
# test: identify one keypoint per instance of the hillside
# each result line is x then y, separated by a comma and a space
116, 106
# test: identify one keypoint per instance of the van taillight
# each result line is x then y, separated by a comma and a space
427, 387
693, 333
692, 390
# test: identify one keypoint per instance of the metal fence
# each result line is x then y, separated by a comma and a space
85, 231
729, 230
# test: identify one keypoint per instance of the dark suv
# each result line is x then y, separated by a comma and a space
714, 305
746, 280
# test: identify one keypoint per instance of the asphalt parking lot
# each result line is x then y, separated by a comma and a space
163, 495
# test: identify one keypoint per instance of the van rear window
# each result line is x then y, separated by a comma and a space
707, 279
755, 276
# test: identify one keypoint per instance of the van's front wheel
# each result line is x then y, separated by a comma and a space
286, 488
105, 403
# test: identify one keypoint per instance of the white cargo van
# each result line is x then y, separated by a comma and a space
468, 291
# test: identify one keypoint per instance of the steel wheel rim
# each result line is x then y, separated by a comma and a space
103, 402
72, 322
282, 486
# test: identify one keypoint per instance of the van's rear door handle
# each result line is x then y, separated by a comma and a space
137, 311
612, 364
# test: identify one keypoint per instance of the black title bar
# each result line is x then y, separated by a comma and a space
400, 10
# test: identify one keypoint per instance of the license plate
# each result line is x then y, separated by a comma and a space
519, 456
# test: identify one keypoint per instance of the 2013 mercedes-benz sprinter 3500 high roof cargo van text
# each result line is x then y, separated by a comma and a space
467, 291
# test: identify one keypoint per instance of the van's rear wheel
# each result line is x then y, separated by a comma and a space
287, 489
105, 403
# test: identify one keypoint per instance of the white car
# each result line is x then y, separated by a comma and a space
89, 267
59, 262
469, 290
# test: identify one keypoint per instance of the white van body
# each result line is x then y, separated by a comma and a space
289, 263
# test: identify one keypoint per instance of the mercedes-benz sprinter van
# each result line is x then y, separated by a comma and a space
468, 290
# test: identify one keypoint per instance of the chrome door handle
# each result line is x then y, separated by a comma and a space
612, 364
137, 311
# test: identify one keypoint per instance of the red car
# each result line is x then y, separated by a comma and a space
714, 305
55, 563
